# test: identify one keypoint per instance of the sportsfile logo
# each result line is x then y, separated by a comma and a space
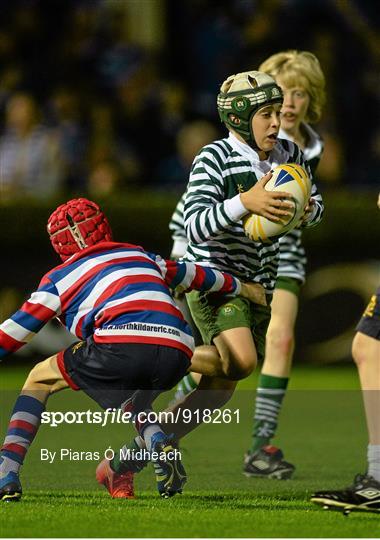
109, 416
117, 416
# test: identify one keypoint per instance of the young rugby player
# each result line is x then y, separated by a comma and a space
134, 342
364, 494
300, 77
227, 182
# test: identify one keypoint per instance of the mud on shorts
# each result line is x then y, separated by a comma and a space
369, 324
214, 313
112, 373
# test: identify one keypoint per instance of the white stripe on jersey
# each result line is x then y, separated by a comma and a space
89, 302
152, 296
217, 285
16, 331
188, 278
236, 170
71, 278
46, 299
292, 256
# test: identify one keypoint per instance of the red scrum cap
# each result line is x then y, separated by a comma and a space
75, 225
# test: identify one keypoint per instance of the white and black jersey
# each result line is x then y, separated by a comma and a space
177, 228
213, 210
292, 258
292, 253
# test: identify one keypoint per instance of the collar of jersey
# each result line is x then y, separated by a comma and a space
314, 146
242, 148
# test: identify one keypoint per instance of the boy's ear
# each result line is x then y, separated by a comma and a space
234, 119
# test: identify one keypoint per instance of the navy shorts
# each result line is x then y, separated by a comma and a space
111, 373
369, 324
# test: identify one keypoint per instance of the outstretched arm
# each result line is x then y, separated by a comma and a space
43, 305
187, 276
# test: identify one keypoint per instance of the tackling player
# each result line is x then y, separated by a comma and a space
134, 342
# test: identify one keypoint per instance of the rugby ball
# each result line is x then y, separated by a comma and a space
293, 179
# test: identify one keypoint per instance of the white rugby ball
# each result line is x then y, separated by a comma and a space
293, 179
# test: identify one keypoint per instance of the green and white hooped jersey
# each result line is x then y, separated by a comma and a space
177, 228
292, 258
292, 253
213, 210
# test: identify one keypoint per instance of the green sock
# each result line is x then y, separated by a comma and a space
185, 386
270, 393
125, 461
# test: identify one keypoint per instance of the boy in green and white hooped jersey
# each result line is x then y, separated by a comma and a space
299, 75
227, 182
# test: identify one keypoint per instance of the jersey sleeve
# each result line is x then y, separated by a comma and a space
207, 212
44, 304
186, 276
178, 232
318, 209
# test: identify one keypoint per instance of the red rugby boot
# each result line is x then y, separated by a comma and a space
119, 486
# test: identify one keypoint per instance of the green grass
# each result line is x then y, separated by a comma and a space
322, 431
207, 514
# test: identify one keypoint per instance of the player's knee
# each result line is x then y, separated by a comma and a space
281, 340
36, 380
359, 350
240, 368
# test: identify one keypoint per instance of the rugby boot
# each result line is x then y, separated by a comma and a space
362, 496
170, 473
119, 485
10, 488
267, 462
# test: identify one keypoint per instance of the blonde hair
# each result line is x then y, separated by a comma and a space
300, 68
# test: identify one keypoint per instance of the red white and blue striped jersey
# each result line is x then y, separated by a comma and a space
117, 293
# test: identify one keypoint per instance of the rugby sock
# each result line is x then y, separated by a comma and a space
128, 458
185, 386
270, 393
139, 441
23, 426
147, 426
148, 432
373, 454
131, 457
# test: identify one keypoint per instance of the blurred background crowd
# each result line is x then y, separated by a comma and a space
111, 99
101, 97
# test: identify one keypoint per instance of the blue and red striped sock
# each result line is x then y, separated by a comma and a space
23, 426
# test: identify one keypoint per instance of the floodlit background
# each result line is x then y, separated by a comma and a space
112, 100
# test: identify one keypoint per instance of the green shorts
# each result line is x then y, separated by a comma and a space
213, 313
289, 284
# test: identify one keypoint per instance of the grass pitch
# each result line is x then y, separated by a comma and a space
322, 431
